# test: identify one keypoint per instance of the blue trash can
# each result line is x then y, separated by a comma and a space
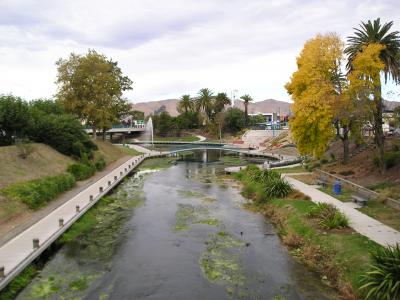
337, 187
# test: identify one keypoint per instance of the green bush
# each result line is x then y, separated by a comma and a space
329, 216
382, 281
324, 160
82, 171
277, 188
391, 159
36, 193
100, 164
63, 133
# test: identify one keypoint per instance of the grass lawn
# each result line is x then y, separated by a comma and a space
296, 169
187, 138
382, 213
345, 196
129, 151
156, 163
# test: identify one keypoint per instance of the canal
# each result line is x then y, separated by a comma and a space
180, 232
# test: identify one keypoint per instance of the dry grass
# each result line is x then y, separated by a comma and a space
297, 195
308, 179
43, 161
293, 240
108, 151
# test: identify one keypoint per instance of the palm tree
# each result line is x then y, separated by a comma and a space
220, 101
185, 104
204, 102
369, 33
246, 98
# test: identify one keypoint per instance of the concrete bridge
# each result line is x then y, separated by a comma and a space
120, 129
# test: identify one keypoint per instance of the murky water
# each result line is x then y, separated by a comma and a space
179, 233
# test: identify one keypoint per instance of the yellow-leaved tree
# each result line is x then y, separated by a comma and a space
314, 89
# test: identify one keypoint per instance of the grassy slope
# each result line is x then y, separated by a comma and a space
43, 161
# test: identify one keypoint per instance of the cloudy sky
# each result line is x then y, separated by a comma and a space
169, 48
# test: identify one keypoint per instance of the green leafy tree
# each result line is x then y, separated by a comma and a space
246, 100
254, 120
234, 120
377, 33
92, 86
14, 119
163, 123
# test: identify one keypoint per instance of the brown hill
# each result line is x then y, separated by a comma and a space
150, 107
265, 106
269, 105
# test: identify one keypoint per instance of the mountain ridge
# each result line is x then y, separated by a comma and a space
263, 106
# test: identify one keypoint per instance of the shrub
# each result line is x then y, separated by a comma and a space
36, 193
390, 159
293, 240
382, 281
62, 132
253, 172
324, 160
277, 188
346, 172
268, 175
329, 216
81, 171
100, 164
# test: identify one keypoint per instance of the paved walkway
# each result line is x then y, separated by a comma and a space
201, 138
17, 253
363, 224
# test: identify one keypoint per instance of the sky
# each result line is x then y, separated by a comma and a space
175, 47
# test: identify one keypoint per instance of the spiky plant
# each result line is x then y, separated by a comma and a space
382, 281
277, 188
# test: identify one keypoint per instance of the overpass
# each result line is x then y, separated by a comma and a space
120, 129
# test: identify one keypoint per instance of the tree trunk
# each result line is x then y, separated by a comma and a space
378, 130
345, 141
246, 117
94, 132
104, 134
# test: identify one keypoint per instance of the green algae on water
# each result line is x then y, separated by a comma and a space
188, 214
221, 264
191, 193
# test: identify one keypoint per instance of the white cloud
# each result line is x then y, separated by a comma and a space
169, 48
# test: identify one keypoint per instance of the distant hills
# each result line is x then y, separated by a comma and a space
264, 106
169, 105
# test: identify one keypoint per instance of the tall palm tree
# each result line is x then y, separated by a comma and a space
220, 101
185, 104
204, 102
247, 99
369, 33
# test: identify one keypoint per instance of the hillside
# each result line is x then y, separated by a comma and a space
149, 107
43, 161
265, 106
269, 105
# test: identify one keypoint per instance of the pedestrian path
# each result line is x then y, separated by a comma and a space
20, 251
363, 224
